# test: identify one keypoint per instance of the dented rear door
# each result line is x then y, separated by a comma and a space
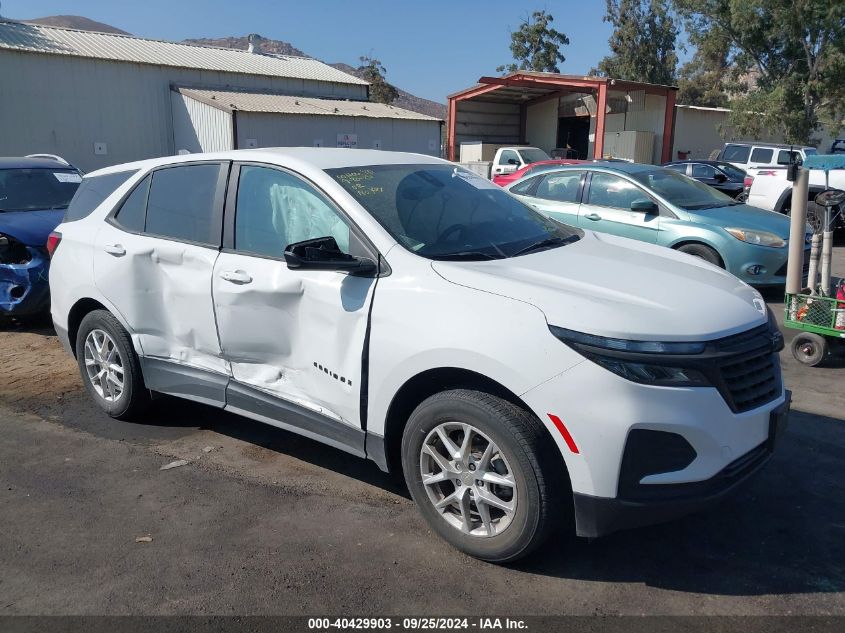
296, 335
154, 259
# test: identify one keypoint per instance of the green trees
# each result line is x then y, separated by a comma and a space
784, 61
642, 45
535, 45
373, 71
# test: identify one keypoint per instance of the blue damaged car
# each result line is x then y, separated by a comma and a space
34, 194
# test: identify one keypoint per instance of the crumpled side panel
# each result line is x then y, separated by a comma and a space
162, 289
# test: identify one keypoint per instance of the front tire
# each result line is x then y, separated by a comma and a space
704, 252
109, 366
478, 468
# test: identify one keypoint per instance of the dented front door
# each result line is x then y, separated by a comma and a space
297, 335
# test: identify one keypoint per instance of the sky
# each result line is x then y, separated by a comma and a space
430, 48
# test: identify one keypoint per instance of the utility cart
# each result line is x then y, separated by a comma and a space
817, 308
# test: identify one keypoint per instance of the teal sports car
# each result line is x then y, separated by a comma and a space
661, 206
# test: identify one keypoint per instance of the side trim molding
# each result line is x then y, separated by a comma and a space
257, 405
186, 382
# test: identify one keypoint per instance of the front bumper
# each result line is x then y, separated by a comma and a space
25, 288
761, 265
598, 516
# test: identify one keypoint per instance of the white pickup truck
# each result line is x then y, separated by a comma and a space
772, 191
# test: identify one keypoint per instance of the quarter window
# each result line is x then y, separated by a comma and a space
92, 193
560, 187
132, 212
181, 203
607, 190
275, 209
679, 167
762, 155
525, 187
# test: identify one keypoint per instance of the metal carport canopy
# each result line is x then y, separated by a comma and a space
539, 86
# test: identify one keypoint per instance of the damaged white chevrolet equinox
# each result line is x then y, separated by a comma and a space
521, 373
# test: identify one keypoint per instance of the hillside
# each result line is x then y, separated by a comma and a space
270, 46
76, 22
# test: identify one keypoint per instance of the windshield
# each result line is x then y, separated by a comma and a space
810, 151
734, 173
533, 155
446, 212
37, 189
681, 191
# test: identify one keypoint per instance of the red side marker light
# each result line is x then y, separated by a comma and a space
564, 433
53, 242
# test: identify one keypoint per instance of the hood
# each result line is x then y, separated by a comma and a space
621, 288
30, 227
743, 216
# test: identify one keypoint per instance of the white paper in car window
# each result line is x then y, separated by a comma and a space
66, 176
479, 182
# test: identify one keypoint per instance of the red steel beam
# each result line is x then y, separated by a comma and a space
451, 113
668, 127
601, 114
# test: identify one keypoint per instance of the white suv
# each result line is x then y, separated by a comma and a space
520, 372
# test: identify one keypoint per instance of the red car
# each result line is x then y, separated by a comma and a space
503, 180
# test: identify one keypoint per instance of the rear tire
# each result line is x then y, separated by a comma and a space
499, 495
809, 348
704, 252
109, 366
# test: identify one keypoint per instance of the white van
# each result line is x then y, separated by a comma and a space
522, 374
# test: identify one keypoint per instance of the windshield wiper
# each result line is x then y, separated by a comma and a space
463, 255
545, 243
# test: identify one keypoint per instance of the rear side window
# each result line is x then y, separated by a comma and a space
703, 171
93, 191
762, 155
736, 153
679, 167
131, 214
181, 204
561, 187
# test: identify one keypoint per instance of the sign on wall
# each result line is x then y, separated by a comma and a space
349, 141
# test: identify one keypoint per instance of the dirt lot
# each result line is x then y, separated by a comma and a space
270, 523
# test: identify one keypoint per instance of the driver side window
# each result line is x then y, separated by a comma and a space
276, 209
507, 156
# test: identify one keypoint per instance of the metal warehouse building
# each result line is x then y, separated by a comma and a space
98, 99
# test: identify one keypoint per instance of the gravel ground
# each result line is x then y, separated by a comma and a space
260, 521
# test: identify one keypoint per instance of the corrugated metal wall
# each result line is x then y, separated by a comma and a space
286, 130
486, 121
63, 105
198, 127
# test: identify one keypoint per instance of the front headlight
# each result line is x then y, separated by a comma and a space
760, 238
645, 362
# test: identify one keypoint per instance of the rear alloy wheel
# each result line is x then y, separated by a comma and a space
109, 366
476, 466
704, 252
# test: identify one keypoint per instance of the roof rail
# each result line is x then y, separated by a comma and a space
58, 159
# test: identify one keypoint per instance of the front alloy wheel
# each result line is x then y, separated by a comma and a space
468, 479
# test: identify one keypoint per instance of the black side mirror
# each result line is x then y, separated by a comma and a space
323, 253
720, 177
513, 161
644, 205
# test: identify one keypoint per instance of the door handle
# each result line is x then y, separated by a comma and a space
593, 216
115, 249
236, 276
